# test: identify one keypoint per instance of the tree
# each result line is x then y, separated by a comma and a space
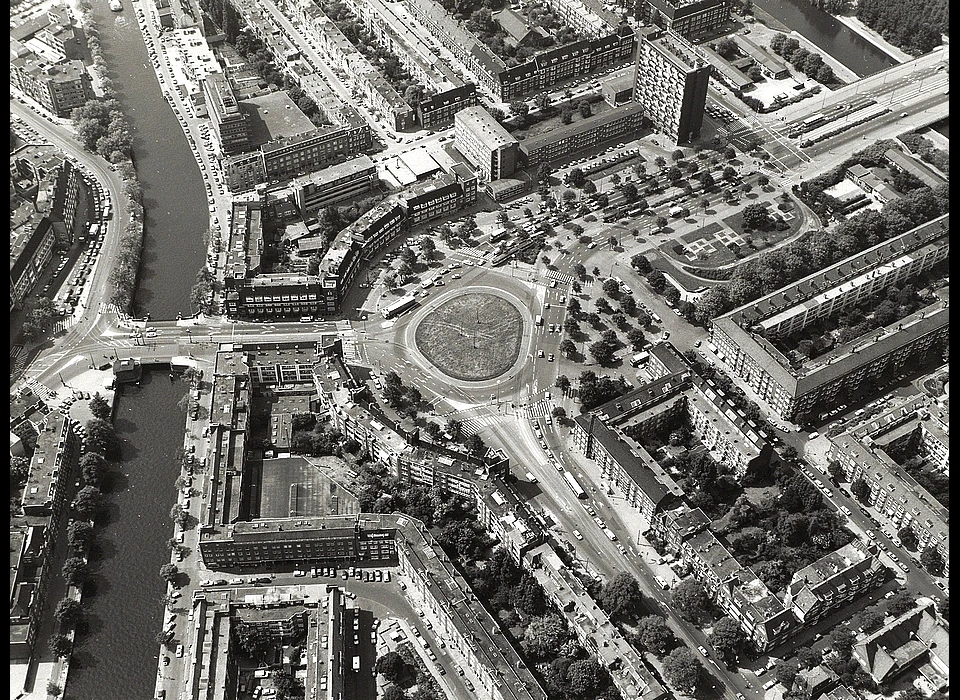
568, 195
657, 281
825, 75
611, 287
932, 560
841, 640
163, 638
60, 645
54, 689
68, 611
785, 673
585, 678
101, 438
628, 304
690, 599
654, 634
861, 489
727, 639
571, 326
566, 114
755, 73
799, 57
621, 596
576, 178
520, 109
87, 502
76, 571
559, 412
475, 445
589, 187
391, 666
567, 348
584, 109
562, 383
169, 572
544, 636
809, 657
726, 47
601, 351
428, 248
19, 471
901, 603
79, 535
763, 180
92, 467
99, 407
755, 216
392, 692
640, 263
871, 620
543, 172
908, 538
636, 338
682, 669
630, 192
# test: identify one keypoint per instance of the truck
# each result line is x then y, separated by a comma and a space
609, 533
640, 358
539, 320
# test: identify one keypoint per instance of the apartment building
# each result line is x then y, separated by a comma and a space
602, 434
897, 497
57, 87
487, 145
834, 580
441, 109
581, 134
689, 18
791, 390
52, 468
612, 47
593, 628
30, 255
472, 635
914, 641
671, 84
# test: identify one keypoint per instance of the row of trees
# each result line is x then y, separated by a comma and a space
102, 129
40, 319
924, 148
819, 249
100, 443
807, 62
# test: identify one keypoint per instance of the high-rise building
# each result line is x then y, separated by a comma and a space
486, 144
230, 124
672, 78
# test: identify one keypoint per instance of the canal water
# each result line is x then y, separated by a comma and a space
175, 200
831, 35
117, 656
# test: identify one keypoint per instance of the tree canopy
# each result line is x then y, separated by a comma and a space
621, 596
682, 669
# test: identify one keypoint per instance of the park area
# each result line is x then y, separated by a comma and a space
472, 337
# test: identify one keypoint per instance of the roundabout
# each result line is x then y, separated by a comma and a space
471, 337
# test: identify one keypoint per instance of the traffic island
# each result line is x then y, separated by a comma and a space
472, 337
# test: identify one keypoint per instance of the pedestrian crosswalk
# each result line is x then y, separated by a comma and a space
472, 252
40, 390
561, 277
538, 409
472, 426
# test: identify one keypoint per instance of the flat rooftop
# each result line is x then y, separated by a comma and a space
273, 117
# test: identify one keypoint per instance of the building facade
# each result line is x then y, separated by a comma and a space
671, 84
57, 87
230, 125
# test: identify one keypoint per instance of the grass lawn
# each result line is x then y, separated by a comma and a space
458, 346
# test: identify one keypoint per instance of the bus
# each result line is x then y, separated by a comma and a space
497, 237
574, 485
399, 306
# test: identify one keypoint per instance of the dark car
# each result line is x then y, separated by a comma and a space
166, 660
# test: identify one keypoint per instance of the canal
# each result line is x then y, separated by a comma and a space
831, 35
174, 199
117, 655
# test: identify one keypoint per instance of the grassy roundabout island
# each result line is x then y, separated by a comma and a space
472, 337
